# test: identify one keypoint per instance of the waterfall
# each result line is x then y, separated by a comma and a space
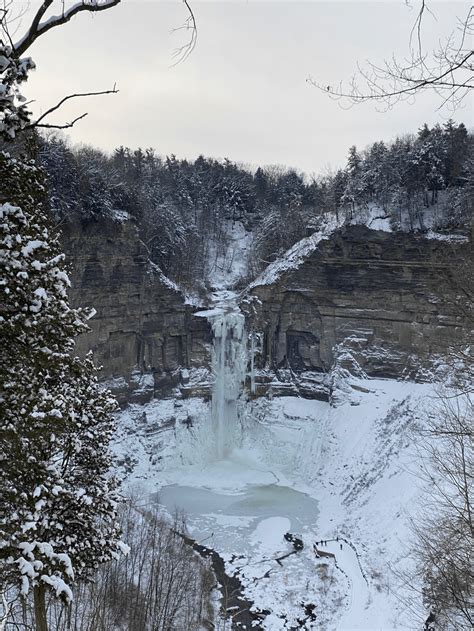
229, 368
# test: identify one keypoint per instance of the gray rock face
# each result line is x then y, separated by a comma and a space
367, 299
364, 300
143, 332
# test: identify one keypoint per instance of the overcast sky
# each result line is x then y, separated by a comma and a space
242, 93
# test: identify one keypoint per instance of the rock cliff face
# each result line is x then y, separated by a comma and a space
143, 332
363, 298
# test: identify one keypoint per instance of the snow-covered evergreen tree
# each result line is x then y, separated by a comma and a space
14, 114
58, 518
353, 192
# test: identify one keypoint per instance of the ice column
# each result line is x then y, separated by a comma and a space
229, 366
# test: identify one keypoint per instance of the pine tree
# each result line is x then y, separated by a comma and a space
14, 113
429, 158
424, 132
260, 180
375, 175
339, 184
457, 149
58, 518
60, 164
353, 191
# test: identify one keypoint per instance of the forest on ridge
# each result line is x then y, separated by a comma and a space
418, 182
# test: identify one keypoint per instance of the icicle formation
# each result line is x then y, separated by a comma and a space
229, 365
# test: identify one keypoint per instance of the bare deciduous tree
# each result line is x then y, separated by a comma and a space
444, 530
14, 68
162, 585
447, 70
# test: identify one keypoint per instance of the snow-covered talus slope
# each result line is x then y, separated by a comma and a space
352, 459
368, 486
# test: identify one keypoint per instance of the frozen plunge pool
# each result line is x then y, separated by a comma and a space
255, 502
240, 510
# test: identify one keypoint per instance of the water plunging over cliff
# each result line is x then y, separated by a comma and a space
229, 366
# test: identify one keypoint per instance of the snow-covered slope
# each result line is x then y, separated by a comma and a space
296, 255
228, 258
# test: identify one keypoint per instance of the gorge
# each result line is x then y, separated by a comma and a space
280, 407
384, 299
234, 397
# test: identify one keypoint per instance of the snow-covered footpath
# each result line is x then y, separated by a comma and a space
340, 475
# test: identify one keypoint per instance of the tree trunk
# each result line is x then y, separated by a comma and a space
39, 594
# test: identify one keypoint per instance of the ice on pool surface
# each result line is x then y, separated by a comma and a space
268, 500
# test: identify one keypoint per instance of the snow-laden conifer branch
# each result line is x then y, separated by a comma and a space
59, 501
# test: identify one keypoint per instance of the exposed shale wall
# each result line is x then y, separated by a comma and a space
386, 300
143, 332
384, 303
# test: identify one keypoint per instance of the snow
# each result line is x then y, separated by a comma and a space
377, 218
268, 535
449, 238
59, 586
228, 265
124, 548
31, 246
296, 255
30, 567
356, 615
301, 466
120, 216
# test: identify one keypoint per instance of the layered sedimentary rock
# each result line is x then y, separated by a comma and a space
371, 300
143, 331
362, 299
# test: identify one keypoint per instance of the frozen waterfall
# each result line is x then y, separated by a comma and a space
229, 367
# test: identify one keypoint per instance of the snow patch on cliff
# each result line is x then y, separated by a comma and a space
296, 255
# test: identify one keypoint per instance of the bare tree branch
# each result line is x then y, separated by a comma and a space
38, 122
14, 115
448, 70
38, 28
63, 126
181, 53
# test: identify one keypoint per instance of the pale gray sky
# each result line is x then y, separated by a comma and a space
243, 93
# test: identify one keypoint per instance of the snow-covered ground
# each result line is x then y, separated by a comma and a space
341, 474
